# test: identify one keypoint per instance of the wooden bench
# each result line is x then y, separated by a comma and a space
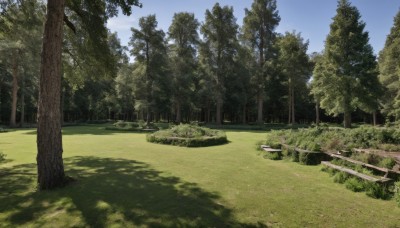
357, 174
386, 171
269, 149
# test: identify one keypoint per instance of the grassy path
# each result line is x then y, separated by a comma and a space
123, 181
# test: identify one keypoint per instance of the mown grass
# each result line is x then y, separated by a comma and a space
124, 181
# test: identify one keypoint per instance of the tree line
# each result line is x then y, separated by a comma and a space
237, 74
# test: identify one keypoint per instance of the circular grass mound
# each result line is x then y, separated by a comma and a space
189, 136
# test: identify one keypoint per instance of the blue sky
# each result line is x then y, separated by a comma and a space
309, 17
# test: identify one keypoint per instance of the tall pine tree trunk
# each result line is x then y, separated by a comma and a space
219, 109
244, 115
317, 120
289, 103
260, 102
347, 119
292, 103
178, 112
15, 88
22, 122
49, 139
375, 122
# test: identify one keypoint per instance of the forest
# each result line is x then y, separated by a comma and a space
212, 71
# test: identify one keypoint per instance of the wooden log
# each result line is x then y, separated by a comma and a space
357, 174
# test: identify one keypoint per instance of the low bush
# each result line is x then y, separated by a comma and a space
2, 130
387, 163
334, 139
340, 177
189, 136
354, 184
273, 155
397, 192
377, 191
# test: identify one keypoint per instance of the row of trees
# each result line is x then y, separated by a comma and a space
238, 74
84, 71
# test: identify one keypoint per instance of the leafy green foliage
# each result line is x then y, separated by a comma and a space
189, 136
331, 138
397, 192
272, 155
377, 191
354, 184
340, 177
387, 163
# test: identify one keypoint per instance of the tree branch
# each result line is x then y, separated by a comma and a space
69, 24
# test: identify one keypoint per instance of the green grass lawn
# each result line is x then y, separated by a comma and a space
124, 181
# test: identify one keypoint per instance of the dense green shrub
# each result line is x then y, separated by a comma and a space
340, 177
2, 130
189, 136
377, 191
332, 138
274, 141
273, 155
354, 184
387, 163
397, 192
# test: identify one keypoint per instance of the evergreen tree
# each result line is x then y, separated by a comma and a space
295, 67
183, 33
389, 67
149, 49
346, 77
218, 50
258, 29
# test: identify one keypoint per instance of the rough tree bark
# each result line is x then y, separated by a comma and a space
49, 140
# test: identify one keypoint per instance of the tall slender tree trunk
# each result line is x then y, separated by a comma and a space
49, 139
317, 120
22, 121
219, 110
289, 102
375, 122
260, 102
292, 103
178, 112
13, 122
244, 118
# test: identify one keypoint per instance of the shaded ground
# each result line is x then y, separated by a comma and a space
110, 191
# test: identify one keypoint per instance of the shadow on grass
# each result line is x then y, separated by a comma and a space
111, 192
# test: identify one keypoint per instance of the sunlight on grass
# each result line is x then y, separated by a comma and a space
122, 180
